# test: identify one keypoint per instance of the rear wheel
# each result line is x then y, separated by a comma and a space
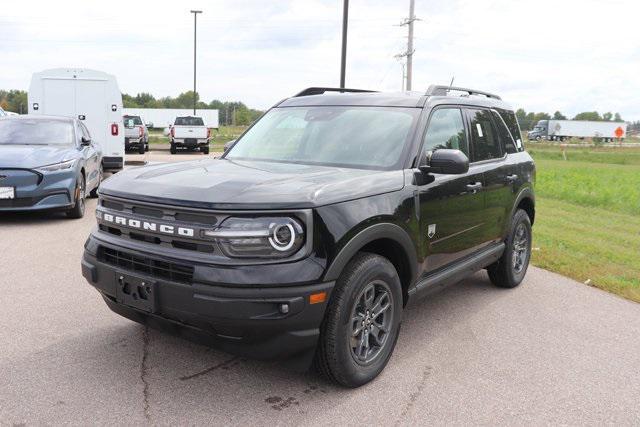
205, 149
146, 146
80, 194
141, 148
511, 268
362, 322
173, 148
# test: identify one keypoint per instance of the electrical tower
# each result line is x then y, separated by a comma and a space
410, 50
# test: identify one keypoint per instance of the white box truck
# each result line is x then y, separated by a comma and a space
89, 95
558, 130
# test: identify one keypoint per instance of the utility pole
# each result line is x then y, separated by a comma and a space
410, 50
345, 21
195, 25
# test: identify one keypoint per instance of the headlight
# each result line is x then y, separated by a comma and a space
263, 237
57, 166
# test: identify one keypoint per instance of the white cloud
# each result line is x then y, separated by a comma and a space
543, 56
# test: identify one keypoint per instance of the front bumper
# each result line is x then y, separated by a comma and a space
36, 191
243, 320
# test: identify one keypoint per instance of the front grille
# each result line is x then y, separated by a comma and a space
152, 267
178, 216
23, 202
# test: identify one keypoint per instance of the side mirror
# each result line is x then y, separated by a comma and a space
446, 161
85, 141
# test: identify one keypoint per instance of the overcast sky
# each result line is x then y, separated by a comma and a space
543, 55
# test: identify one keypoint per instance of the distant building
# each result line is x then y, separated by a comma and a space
162, 117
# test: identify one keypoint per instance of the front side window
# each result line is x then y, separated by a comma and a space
484, 137
35, 132
446, 130
346, 136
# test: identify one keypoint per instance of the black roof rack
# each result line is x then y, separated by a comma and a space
436, 90
320, 90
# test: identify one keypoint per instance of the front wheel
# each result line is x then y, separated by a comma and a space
362, 322
80, 194
94, 192
511, 268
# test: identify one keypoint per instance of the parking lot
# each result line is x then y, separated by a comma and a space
551, 351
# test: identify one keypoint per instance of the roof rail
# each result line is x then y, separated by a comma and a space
436, 90
320, 90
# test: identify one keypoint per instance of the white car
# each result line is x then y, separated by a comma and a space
189, 132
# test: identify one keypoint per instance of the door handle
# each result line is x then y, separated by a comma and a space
475, 186
511, 178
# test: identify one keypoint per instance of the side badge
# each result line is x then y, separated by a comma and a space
431, 231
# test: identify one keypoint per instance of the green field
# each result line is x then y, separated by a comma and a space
588, 215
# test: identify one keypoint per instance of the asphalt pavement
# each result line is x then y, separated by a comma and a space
552, 351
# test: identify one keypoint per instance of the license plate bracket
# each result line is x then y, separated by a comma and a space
7, 193
136, 292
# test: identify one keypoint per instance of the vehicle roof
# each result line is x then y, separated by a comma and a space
80, 73
42, 118
391, 99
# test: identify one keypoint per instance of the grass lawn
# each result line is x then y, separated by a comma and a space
218, 137
588, 216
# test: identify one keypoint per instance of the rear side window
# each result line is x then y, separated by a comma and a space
189, 121
485, 143
446, 130
510, 119
505, 136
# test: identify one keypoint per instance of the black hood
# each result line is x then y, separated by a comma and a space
228, 184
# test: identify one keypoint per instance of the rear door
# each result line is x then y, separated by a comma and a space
488, 156
452, 217
58, 98
91, 108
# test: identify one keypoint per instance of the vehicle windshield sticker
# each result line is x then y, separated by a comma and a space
479, 129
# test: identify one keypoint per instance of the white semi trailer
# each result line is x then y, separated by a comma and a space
558, 130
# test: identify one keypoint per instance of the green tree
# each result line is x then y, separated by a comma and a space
588, 115
559, 116
617, 118
607, 116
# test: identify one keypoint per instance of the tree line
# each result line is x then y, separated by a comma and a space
230, 113
528, 120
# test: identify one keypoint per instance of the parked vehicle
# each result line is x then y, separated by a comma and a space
559, 130
136, 134
189, 132
310, 236
92, 97
47, 162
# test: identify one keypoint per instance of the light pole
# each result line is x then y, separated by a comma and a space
195, 25
345, 21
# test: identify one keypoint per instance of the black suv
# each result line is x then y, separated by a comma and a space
313, 232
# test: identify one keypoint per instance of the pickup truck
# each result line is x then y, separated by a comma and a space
189, 132
136, 134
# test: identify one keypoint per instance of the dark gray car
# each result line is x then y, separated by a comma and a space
46, 163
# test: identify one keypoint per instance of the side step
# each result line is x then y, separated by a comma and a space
456, 272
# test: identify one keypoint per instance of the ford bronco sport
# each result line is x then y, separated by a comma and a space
312, 233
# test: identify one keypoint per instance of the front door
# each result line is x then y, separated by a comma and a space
452, 208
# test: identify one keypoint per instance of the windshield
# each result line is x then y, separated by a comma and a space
358, 137
189, 121
35, 132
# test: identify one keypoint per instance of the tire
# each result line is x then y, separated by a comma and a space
173, 148
205, 150
77, 211
146, 147
366, 282
538, 138
94, 192
511, 268
141, 148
